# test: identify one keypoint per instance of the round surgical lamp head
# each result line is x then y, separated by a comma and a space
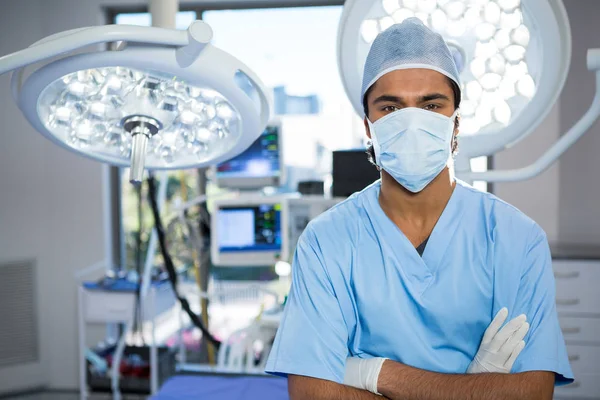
513, 57
163, 99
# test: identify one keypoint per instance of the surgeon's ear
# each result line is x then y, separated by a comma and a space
367, 129
454, 147
456, 124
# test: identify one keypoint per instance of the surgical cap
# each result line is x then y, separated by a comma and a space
408, 45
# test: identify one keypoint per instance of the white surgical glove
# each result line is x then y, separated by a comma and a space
363, 373
500, 347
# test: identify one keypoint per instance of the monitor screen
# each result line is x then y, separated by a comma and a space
249, 228
260, 160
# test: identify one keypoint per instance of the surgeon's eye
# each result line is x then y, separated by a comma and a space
432, 107
389, 109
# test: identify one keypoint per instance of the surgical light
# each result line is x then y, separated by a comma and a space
162, 99
488, 35
513, 57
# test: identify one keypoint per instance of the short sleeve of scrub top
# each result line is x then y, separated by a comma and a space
312, 337
544, 344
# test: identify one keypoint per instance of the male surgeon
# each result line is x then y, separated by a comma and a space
403, 289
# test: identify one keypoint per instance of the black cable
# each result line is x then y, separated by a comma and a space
197, 321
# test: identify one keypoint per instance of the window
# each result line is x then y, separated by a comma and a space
300, 66
182, 21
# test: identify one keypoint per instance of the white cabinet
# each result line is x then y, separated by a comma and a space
584, 359
104, 306
107, 307
577, 286
586, 386
580, 329
578, 306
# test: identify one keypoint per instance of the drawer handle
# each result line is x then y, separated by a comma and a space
567, 302
571, 330
566, 275
574, 357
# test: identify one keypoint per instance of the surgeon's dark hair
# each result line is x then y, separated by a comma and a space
457, 99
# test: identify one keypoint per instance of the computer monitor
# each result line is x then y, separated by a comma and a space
249, 232
260, 165
351, 172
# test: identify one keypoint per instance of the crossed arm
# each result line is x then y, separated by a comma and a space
397, 381
401, 382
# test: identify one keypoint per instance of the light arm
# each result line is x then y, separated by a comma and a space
562, 145
191, 43
79, 38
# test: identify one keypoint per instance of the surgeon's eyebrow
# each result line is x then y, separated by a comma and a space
421, 99
388, 98
433, 96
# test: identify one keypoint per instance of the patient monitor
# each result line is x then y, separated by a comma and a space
254, 230
258, 166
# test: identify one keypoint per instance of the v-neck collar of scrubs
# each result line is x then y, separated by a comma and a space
421, 248
421, 267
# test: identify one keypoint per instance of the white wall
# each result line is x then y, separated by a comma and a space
50, 202
579, 218
24, 227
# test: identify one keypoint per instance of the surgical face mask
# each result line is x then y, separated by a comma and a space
412, 145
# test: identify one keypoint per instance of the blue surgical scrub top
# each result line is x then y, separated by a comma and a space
359, 288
